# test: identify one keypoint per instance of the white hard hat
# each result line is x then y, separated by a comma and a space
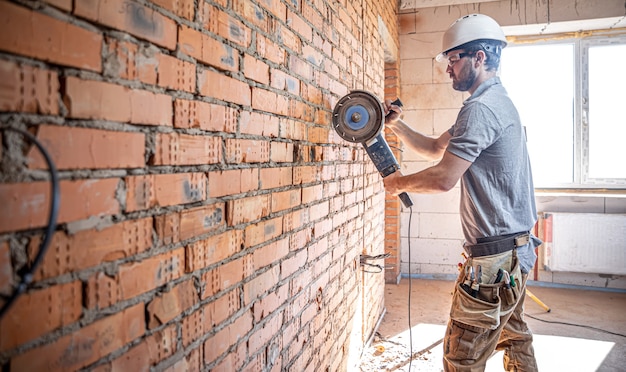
469, 28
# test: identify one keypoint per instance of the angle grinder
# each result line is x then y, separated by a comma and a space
359, 117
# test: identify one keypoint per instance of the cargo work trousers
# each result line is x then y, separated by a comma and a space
489, 317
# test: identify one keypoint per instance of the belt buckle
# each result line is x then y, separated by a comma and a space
522, 240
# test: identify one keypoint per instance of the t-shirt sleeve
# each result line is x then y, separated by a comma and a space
475, 130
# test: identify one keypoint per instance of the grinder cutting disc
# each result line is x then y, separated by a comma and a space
358, 116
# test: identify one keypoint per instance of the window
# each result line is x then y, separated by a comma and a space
571, 97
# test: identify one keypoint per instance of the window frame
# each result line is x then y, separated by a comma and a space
581, 42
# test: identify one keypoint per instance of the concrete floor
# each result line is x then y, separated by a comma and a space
580, 345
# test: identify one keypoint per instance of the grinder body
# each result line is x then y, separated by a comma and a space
359, 117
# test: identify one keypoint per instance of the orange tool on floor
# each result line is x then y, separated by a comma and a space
538, 301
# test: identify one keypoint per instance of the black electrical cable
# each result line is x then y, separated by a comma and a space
575, 325
410, 327
27, 276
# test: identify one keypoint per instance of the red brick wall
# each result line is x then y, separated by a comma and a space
210, 217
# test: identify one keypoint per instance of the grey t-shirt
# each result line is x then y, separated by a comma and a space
497, 192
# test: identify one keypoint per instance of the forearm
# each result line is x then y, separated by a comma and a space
427, 147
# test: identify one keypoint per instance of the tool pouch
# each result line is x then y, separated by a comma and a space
492, 300
476, 311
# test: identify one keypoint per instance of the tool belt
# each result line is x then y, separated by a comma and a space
497, 244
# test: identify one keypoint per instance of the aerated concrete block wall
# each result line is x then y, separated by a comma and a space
210, 218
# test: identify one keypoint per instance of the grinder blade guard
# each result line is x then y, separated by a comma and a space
359, 117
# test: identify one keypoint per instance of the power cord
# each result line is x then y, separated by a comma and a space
575, 325
27, 274
410, 290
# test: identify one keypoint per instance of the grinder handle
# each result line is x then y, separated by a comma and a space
404, 197
398, 103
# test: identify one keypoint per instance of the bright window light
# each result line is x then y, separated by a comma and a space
607, 126
540, 81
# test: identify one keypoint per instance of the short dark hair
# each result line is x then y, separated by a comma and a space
492, 49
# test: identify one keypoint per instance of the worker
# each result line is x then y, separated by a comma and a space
486, 150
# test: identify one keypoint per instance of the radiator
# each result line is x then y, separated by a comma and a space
585, 242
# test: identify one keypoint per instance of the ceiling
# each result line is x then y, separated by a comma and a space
412, 4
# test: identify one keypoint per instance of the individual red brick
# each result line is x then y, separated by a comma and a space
300, 67
231, 182
39, 312
88, 99
276, 177
208, 50
68, 147
252, 13
319, 211
162, 309
203, 115
295, 219
195, 325
130, 17
259, 123
312, 193
226, 305
262, 231
286, 200
6, 269
281, 152
134, 279
39, 36
145, 192
220, 86
256, 70
86, 345
185, 149
258, 286
150, 108
216, 345
224, 339
283, 81
292, 129
225, 25
75, 252
269, 304
305, 174
293, 264
300, 26
269, 101
270, 50
26, 205
201, 220
247, 151
28, 89
270, 253
248, 209
262, 335
120, 56
289, 39
176, 74
182, 8
207, 252
102, 291
167, 228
